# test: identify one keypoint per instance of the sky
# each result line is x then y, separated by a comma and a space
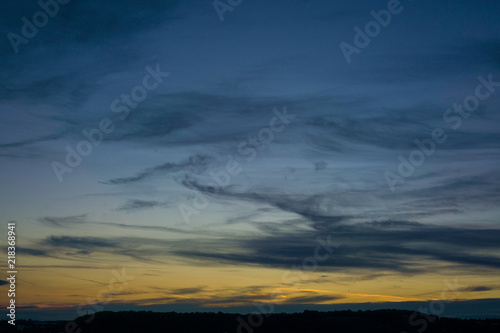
211, 156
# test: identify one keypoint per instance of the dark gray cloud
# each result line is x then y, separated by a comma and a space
395, 129
318, 166
312, 299
82, 243
141, 249
454, 192
136, 204
32, 252
157, 124
71, 24
193, 118
80, 220
478, 288
63, 221
311, 207
69, 90
196, 164
17, 144
184, 291
381, 246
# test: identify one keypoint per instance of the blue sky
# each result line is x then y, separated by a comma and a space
325, 172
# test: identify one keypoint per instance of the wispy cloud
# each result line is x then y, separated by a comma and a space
478, 288
63, 221
80, 220
196, 164
308, 206
376, 246
137, 204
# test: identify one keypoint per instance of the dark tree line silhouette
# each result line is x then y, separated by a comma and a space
383, 321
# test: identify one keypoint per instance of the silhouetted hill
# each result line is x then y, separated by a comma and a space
383, 321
